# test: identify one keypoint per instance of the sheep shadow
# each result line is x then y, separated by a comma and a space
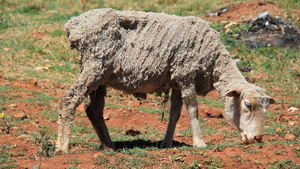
139, 143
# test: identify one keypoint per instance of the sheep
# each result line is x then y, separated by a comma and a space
139, 53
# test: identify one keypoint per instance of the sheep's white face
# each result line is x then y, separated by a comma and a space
247, 110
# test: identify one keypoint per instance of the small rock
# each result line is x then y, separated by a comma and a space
245, 69
41, 68
20, 115
289, 137
13, 105
106, 116
293, 109
291, 123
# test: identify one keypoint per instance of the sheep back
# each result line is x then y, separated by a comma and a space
154, 50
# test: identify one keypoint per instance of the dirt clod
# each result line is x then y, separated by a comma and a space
289, 137
132, 132
214, 113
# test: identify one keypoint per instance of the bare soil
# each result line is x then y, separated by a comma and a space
133, 119
251, 10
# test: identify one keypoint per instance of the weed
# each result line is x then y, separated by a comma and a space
6, 122
101, 160
6, 147
186, 133
224, 122
297, 151
5, 156
74, 161
230, 134
195, 164
211, 102
214, 163
149, 110
251, 150
278, 152
283, 164
135, 152
132, 162
42, 138
113, 106
7, 166
198, 152
50, 113
239, 158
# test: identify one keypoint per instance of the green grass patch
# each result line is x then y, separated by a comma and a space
137, 152
285, 163
114, 106
39, 98
149, 110
74, 161
50, 113
211, 102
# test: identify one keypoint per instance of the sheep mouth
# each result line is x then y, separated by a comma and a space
258, 138
246, 140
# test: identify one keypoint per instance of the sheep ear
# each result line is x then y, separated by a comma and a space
235, 91
272, 101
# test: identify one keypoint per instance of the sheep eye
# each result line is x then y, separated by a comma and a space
247, 103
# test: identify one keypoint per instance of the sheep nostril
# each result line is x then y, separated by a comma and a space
258, 138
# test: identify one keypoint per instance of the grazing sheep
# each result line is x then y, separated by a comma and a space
140, 53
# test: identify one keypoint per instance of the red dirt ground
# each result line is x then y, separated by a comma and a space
251, 10
134, 119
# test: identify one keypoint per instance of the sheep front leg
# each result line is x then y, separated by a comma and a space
176, 105
68, 103
94, 110
87, 82
190, 100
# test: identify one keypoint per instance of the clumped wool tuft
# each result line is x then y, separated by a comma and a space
140, 53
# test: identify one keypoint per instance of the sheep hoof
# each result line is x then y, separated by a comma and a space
165, 146
200, 144
58, 152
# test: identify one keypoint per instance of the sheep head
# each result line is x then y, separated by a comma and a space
246, 108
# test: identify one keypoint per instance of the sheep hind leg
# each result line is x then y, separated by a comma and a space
190, 100
94, 110
176, 105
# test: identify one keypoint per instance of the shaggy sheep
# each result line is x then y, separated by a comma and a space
140, 53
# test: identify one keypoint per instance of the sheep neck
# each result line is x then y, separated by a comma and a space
226, 75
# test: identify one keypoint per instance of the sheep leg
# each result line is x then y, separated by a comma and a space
176, 105
94, 110
190, 100
86, 83
68, 103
